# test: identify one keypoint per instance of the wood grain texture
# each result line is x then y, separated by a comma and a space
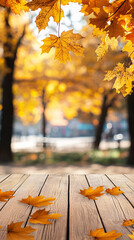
56, 186
3, 176
83, 215
16, 211
12, 183
113, 209
125, 184
130, 176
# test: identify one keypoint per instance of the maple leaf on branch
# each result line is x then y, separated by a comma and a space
124, 78
64, 44
49, 8
114, 191
42, 216
128, 222
38, 201
4, 196
99, 234
16, 232
92, 193
16, 6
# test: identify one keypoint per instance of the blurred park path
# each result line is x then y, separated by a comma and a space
66, 169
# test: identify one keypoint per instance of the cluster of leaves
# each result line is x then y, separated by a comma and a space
14, 230
99, 234
111, 20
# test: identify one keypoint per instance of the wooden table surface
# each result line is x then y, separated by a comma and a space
79, 215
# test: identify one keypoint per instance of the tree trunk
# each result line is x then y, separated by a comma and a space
7, 98
130, 101
7, 119
102, 119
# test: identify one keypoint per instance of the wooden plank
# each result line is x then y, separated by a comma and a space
130, 176
83, 214
113, 209
12, 183
126, 185
16, 211
3, 177
56, 186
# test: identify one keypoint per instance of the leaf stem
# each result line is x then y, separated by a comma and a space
59, 20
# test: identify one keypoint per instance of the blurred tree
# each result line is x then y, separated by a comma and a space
10, 42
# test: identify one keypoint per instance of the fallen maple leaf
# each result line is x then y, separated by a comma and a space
42, 216
114, 191
99, 234
92, 193
15, 232
131, 236
5, 195
128, 222
38, 201
64, 44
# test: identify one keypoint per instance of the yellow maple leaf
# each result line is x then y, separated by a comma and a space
5, 195
42, 216
124, 78
131, 236
16, 5
128, 222
92, 193
49, 8
128, 47
99, 234
38, 201
114, 191
15, 232
64, 44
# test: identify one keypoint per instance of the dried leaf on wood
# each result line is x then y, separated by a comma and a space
99, 234
114, 191
42, 216
38, 201
92, 193
16, 232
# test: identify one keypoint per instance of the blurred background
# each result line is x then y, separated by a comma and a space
60, 118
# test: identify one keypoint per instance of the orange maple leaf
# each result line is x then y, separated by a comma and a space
42, 216
130, 36
99, 234
92, 193
128, 222
64, 44
5, 195
15, 232
114, 191
16, 5
38, 201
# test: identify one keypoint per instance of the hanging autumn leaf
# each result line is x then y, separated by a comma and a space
5, 195
114, 191
64, 44
99, 234
16, 6
38, 201
124, 78
16, 232
48, 9
131, 236
92, 193
128, 222
42, 216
